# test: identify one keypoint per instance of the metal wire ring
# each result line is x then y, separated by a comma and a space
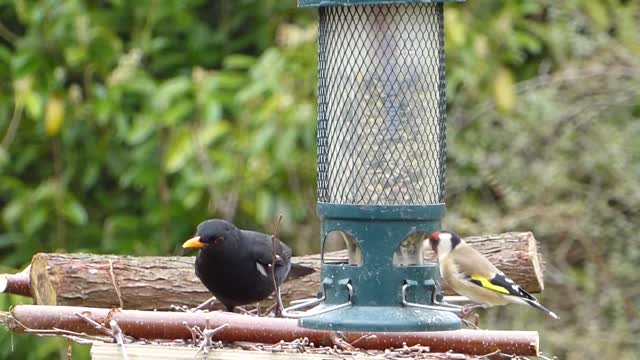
438, 306
287, 311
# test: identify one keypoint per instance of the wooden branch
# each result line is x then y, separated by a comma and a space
144, 282
171, 326
17, 284
148, 283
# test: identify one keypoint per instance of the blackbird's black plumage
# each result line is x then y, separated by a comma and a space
235, 265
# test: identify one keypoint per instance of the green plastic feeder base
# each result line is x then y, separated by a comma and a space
369, 296
382, 318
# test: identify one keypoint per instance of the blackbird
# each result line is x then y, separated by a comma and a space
235, 265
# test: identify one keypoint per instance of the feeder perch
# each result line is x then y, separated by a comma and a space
381, 164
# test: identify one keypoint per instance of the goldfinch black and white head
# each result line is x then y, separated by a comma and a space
443, 242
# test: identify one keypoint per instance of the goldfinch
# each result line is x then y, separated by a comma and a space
470, 274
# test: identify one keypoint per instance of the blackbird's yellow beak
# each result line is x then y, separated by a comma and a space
193, 243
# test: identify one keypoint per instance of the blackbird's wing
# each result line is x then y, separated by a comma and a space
262, 248
262, 253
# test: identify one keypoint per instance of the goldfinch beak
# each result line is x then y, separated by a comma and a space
193, 243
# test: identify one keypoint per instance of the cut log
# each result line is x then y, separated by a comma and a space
171, 326
515, 253
148, 283
143, 282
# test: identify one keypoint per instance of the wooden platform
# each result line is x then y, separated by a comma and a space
106, 351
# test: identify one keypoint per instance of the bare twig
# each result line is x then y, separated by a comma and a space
493, 353
274, 256
118, 335
55, 332
96, 325
470, 324
206, 304
543, 357
181, 308
338, 340
77, 339
206, 341
363, 337
194, 334
244, 311
270, 308
115, 284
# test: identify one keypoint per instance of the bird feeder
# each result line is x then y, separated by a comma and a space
381, 164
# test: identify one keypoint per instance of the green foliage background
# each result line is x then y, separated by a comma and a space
123, 124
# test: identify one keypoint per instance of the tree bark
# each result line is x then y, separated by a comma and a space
17, 284
515, 253
148, 283
171, 326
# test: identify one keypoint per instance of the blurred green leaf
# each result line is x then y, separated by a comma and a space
35, 220
177, 112
4, 158
74, 212
597, 10
179, 151
239, 62
143, 127
13, 211
169, 91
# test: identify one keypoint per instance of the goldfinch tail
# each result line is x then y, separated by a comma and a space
538, 306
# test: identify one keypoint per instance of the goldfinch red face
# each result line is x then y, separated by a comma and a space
443, 242
434, 241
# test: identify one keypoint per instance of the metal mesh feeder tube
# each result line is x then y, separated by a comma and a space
381, 164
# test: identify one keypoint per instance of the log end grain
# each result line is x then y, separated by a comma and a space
43, 291
536, 261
